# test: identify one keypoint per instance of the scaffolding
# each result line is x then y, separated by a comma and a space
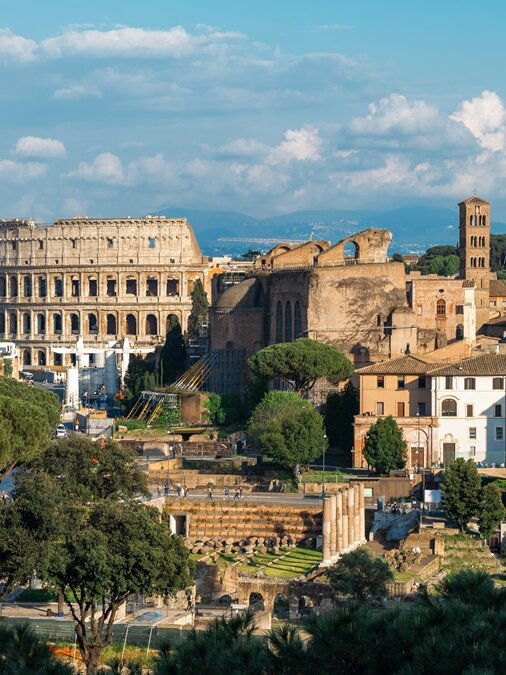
150, 404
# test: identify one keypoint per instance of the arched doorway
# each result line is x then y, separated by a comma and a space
111, 324
131, 324
256, 602
281, 607
92, 324
305, 605
27, 357
42, 357
351, 250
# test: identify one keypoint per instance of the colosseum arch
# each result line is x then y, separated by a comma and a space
111, 324
27, 323
151, 325
367, 246
131, 324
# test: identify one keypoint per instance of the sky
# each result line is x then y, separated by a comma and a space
116, 108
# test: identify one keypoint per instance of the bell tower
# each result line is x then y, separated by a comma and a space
474, 251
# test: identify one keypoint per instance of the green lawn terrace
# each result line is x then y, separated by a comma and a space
288, 563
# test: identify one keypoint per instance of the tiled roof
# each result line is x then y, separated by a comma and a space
476, 199
404, 365
488, 364
497, 287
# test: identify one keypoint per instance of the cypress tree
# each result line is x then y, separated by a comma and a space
173, 354
200, 308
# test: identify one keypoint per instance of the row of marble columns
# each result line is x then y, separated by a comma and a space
343, 520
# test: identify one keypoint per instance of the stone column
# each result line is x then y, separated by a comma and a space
333, 531
345, 518
351, 516
361, 515
326, 520
357, 512
339, 521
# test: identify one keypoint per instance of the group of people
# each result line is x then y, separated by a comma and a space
226, 493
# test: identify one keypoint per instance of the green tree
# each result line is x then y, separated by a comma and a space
173, 355
339, 412
223, 409
462, 491
444, 251
498, 252
23, 653
360, 575
385, 448
251, 254
90, 540
491, 511
301, 363
444, 265
139, 377
199, 312
288, 429
28, 416
471, 587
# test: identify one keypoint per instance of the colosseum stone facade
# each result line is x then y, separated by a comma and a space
98, 279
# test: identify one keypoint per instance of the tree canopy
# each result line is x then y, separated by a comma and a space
439, 252
301, 363
28, 416
360, 575
200, 308
287, 428
385, 448
491, 511
444, 265
80, 528
461, 490
22, 652
339, 412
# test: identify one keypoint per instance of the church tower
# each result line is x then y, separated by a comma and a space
474, 252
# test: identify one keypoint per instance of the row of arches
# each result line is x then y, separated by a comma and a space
40, 355
478, 241
288, 325
476, 220
477, 262
10, 286
88, 325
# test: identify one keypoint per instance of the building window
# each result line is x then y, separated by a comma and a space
75, 288
172, 288
288, 321
151, 287
131, 325
421, 408
111, 288
151, 325
27, 323
41, 324
448, 382
27, 357
27, 287
41, 244
42, 287
499, 433
110, 243
92, 288
449, 408
380, 408
459, 309
42, 357
469, 410
131, 286
401, 409
111, 324
151, 242
459, 332
469, 383
472, 433
92, 324
74, 324
57, 324
440, 308
58, 288
279, 322
498, 410
493, 303
73, 243
14, 287
498, 383
297, 320
380, 381
57, 359
422, 382
14, 245
401, 382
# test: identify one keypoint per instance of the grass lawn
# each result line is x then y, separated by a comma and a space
327, 476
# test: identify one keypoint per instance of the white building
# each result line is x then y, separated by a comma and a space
468, 398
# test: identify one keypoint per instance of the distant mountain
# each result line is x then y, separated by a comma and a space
414, 228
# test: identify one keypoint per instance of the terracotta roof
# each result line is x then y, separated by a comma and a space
497, 287
488, 364
404, 365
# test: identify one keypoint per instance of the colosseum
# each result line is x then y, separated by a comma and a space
97, 280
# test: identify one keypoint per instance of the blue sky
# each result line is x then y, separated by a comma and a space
120, 108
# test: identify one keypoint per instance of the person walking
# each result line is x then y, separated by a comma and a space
226, 492
236, 493
209, 492
240, 492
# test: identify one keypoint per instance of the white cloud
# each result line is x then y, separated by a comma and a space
175, 42
105, 168
16, 47
395, 113
75, 91
242, 148
18, 172
33, 146
299, 144
484, 116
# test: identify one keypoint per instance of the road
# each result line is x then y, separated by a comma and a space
270, 498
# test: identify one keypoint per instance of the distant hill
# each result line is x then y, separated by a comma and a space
414, 228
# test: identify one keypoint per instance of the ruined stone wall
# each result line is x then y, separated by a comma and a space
101, 279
